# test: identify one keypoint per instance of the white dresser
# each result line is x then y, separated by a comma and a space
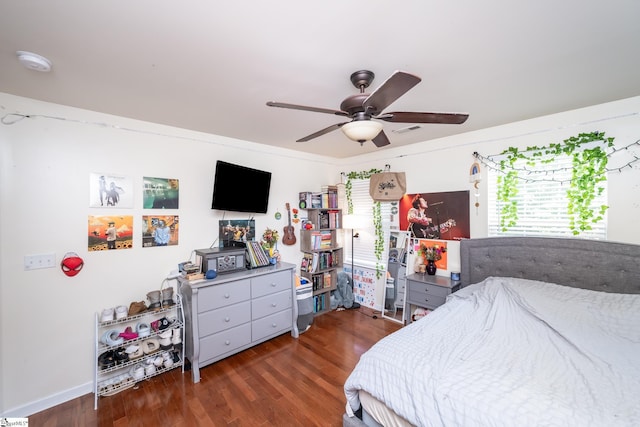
235, 311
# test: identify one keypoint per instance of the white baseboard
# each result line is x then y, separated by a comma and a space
49, 402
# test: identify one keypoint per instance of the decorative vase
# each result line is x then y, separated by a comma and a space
431, 267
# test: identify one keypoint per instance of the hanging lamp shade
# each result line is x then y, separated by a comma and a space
362, 130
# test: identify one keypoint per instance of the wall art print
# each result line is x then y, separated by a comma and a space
110, 232
160, 193
419, 244
442, 216
236, 232
160, 230
110, 191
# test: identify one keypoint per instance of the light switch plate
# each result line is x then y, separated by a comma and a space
34, 262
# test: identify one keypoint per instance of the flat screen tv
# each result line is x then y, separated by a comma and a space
240, 189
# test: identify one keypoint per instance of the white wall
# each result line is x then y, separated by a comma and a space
47, 317
46, 330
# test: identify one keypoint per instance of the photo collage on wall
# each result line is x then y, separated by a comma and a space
115, 231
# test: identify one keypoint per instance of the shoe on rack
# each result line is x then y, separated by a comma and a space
121, 312
137, 372
107, 315
150, 345
167, 298
134, 352
111, 338
107, 360
154, 300
137, 307
120, 355
165, 340
143, 329
128, 334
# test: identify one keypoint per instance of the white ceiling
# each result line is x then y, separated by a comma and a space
211, 66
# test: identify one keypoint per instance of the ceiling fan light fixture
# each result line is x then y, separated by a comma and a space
361, 130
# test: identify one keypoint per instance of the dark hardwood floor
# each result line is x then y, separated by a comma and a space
283, 382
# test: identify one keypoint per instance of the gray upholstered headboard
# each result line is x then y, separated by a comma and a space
588, 264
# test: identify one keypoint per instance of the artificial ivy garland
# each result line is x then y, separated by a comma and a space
589, 170
377, 216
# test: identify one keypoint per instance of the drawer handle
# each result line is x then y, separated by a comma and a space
227, 342
273, 325
273, 285
274, 305
227, 296
226, 319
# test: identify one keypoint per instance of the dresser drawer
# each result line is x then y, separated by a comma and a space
217, 296
224, 342
425, 300
214, 321
270, 304
270, 283
427, 289
270, 325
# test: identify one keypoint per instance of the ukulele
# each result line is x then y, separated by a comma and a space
288, 238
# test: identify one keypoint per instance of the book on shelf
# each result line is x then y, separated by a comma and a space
321, 239
306, 263
326, 280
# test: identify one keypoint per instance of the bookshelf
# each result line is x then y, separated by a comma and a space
321, 255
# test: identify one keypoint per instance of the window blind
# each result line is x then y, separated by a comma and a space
542, 202
364, 245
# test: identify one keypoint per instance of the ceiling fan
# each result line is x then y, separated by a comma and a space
364, 107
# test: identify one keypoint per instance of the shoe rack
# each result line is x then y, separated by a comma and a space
122, 363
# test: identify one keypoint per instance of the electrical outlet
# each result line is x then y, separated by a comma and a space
34, 262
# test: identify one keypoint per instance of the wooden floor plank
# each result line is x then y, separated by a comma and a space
283, 382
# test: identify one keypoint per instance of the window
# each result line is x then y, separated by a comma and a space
541, 201
363, 206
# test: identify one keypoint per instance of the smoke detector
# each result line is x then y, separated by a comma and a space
33, 61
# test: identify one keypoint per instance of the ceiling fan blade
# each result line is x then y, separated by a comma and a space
381, 139
393, 88
322, 132
417, 117
305, 108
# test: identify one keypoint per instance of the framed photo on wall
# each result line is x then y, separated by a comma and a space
443, 216
110, 232
160, 193
236, 232
110, 191
160, 230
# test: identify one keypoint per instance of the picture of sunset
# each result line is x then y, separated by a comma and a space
107, 232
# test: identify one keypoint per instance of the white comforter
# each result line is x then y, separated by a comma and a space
509, 352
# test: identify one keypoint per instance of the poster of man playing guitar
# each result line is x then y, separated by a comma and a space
442, 216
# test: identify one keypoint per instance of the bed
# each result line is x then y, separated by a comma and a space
544, 331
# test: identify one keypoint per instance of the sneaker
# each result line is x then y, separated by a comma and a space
121, 312
143, 329
107, 315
